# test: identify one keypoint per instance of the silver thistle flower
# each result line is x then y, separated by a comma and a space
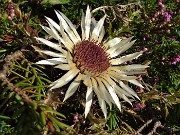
91, 60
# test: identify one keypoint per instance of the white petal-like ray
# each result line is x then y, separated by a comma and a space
50, 32
112, 42
113, 93
128, 89
102, 104
132, 72
65, 40
97, 29
69, 59
119, 45
89, 98
53, 23
125, 41
50, 44
50, 53
126, 58
123, 96
63, 66
67, 28
100, 96
60, 29
106, 95
130, 67
110, 81
94, 22
86, 80
73, 87
121, 49
87, 22
83, 26
65, 78
55, 33
112, 49
71, 26
121, 76
53, 61
95, 87
135, 82
123, 91
111, 86
102, 33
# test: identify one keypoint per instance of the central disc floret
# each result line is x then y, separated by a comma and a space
91, 57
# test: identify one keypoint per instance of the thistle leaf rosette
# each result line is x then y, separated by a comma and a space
90, 60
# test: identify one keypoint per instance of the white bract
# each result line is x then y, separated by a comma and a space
92, 61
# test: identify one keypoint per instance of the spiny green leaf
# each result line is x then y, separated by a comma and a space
33, 105
42, 117
54, 112
27, 71
35, 87
4, 117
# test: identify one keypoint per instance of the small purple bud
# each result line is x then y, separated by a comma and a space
139, 90
10, 7
162, 11
138, 106
171, 12
76, 118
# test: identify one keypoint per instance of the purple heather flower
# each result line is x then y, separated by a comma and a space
138, 106
10, 7
139, 90
175, 60
11, 13
171, 12
161, 11
167, 17
76, 118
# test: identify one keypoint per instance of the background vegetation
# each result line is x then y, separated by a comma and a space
26, 106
